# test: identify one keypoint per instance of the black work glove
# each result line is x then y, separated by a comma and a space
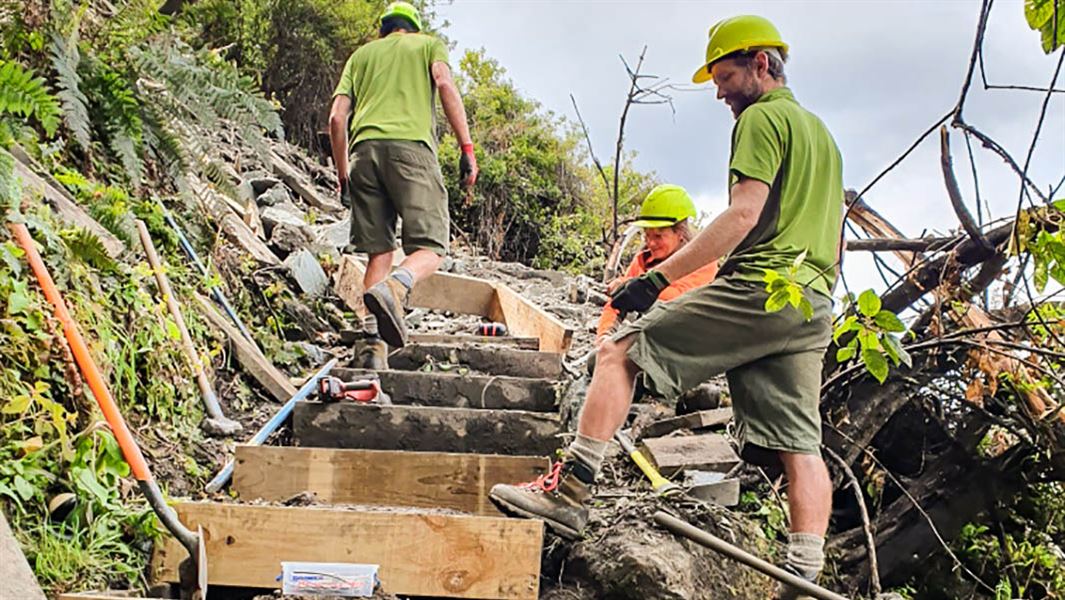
467, 166
639, 293
345, 193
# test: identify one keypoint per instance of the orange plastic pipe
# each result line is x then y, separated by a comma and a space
130, 450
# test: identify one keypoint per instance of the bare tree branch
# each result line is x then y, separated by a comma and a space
954, 191
588, 139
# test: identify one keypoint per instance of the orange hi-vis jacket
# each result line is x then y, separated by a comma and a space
697, 278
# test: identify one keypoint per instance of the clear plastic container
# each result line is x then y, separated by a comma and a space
328, 579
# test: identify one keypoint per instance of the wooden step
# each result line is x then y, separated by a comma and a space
521, 343
419, 553
485, 359
380, 477
705, 452
452, 390
425, 429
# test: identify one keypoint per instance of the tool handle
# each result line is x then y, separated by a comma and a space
657, 481
129, 447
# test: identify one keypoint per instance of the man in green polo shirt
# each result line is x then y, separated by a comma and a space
786, 198
392, 82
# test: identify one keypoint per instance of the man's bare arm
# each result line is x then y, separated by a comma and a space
456, 117
451, 100
748, 198
338, 134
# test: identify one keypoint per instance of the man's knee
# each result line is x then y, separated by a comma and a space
614, 354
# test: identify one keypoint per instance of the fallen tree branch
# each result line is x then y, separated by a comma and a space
917, 505
870, 541
894, 245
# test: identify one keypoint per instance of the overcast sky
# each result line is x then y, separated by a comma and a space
878, 74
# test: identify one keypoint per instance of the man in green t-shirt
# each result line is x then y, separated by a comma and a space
392, 82
786, 200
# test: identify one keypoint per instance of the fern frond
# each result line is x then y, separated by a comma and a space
24, 95
65, 58
10, 186
88, 248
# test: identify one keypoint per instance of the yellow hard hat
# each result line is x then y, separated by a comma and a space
405, 10
736, 34
665, 206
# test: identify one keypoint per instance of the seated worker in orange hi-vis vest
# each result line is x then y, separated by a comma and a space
666, 216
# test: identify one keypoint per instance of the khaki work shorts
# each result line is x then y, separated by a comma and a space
391, 178
772, 360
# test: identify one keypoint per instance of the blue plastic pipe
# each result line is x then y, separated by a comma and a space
216, 291
271, 426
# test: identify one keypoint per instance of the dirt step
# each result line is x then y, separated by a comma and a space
486, 359
426, 429
521, 343
380, 477
420, 552
462, 391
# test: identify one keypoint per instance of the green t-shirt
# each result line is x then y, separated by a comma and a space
390, 83
778, 142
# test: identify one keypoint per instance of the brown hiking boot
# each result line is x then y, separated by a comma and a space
787, 592
556, 497
371, 353
385, 301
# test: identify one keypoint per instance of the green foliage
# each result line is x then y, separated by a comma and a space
873, 337
24, 95
63, 51
294, 48
785, 289
769, 511
1040, 15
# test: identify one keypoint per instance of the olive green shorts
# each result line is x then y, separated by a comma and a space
397, 178
772, 360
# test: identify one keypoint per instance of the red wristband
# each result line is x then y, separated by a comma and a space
467, 148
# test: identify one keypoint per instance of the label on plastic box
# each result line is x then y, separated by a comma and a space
328, 579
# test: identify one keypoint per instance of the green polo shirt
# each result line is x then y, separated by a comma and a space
778, 142
390, 83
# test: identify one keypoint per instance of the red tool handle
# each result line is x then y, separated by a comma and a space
130, 450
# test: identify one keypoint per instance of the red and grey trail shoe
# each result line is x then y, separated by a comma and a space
556, 497
385, 300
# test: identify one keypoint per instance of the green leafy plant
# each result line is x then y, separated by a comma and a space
1040, 15
23, 94
873, 337
784, 289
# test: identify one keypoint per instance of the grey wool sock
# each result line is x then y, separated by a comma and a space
806, 554
403, 276
369, 325
589, 451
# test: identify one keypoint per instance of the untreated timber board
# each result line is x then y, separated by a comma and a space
522, 343
695, 420
440, 291
425, 429
461, 391
419, 553
68, 211
525, 318
380, 477
249, 356
494, 361
466, 295
705, 452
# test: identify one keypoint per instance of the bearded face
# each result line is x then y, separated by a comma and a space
738, 82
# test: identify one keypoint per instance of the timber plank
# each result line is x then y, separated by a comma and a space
249, 355
425, 429
419, 553
66, 208
494, 361
525, 318
440, 291
522, 343
232, 226
695, 420
416, 479
705, 452
451, 390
